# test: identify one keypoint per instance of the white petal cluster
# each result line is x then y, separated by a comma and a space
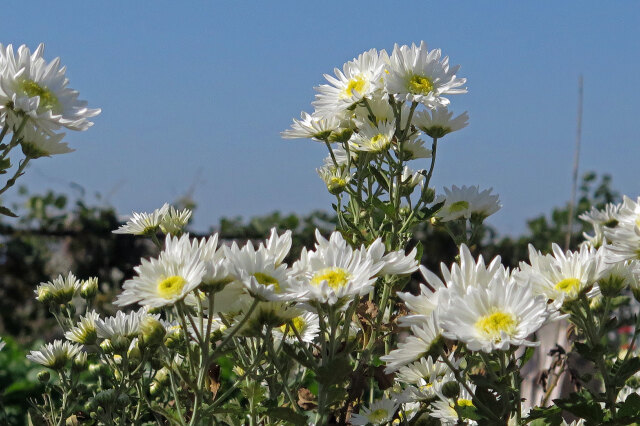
122, 324
467, 202
166, 218
380, 412
55, 355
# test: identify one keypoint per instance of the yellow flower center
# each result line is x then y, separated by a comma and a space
493, 325
465, 403
420, 85
266, 280
334, 277
379, 142
356, 84
336, 182
171, 286
378, 415
298, 323
568, 285
48, 100
458, 206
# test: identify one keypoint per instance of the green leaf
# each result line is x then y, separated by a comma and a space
335, 372
544, 415
298, 356
630, 408
622, 370
419, 251
5, 211
387, 208
382, 181
288, 415
582, 405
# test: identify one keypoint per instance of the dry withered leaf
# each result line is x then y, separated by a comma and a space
214, 379
306, 400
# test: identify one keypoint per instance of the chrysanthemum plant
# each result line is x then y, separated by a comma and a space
229, 334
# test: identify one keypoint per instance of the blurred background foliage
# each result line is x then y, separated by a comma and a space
56, 234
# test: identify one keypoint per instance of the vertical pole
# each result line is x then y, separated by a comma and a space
576, 160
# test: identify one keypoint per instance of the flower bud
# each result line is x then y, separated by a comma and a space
106, 346
89, 288
451, 389
120, 344
45, 295
151, 332
44, 376
80, 361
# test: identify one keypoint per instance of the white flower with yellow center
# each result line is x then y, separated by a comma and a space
392, 263
374, 138
305, 325
600, 219
358, 79
424, 341
439, 122
563, 276
381, 109
380, 412
39, 89
494, 318
85, 331
60, 290
165, 280
468, 203
257, 271
336, 178
426, 376
55, 355
174, 221
122, 325
333, 273
144, 223
445, 408
419, 75
312, 126
37, 142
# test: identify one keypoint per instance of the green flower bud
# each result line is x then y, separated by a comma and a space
80, 361
45, 295
134, 353
89, 288
451, 389
44, 376
106, 346
151, 332
120, 344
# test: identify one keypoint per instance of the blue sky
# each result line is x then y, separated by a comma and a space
195, 94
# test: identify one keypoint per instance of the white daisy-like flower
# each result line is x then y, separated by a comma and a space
257, 270
422, 305
426, 376
393, 263
122, 325
55, 355
358, 79
144, 223
424, 340
312, 126
623, 241
444, 409
333, 273
266, 314
600, 219
629, 211
336, 178
419, 75
278, 246
382, 111
439, 122
563, 276
411, 179
39, 89
380, 412
467, 202
39, 142
494, 318
414, 149
306, 325
167, 279
60, 290
174, 221
374, 138
85, 331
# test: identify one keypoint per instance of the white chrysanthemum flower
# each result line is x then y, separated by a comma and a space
426, 376
306, 325
336, 178
333, 272
467, 202
414, 149
379, 413
600, 219
393, 263
174, 221
85, 331
55, 355
424, 340
278, 246
39, 89
266, 314
257, 270
144, 223
312, 126
494, 318
358, 79
39, 142
623, 242
382, 111
419, 75
167, 279
439, 122
411, 179
421, 306
629, 211
375, 139
444, 409
122, 325
563, 276
60, 290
